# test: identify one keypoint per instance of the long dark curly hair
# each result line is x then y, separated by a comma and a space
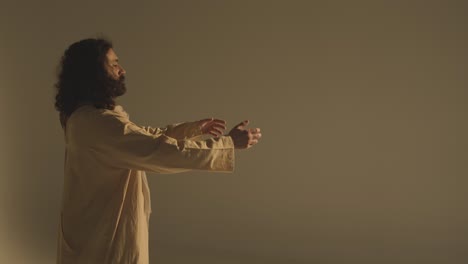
83, 78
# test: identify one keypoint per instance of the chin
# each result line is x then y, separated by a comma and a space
120, 88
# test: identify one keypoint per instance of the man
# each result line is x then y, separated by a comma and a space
106, 200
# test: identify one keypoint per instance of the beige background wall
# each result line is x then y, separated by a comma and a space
362, 105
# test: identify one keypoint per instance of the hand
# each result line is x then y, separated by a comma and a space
243, 137
211, 126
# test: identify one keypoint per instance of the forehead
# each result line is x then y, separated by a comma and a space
111, 56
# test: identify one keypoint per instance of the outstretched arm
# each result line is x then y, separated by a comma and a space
121, 143
191, 130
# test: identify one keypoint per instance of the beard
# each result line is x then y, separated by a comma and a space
117, 87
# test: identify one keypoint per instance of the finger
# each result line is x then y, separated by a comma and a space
219, 126
242, 124
219, 121
218, 131
255, 130
253, 142
256, 136
213, 134
203, 123
206, 120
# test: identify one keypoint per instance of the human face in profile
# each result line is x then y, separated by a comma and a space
114, 69
115, 74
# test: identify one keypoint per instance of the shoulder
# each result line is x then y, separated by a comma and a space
118, 112
90, 112
88, 118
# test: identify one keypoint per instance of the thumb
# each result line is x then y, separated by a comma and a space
243, 124
205, 121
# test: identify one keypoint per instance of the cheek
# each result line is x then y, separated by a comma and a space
115, 72
110, 71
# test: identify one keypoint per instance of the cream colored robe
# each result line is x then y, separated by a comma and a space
106, 200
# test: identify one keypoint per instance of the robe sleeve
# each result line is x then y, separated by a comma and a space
186, 130
123, 144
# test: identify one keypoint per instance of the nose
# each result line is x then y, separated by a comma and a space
122, 71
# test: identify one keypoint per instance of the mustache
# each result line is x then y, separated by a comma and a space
111, 78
